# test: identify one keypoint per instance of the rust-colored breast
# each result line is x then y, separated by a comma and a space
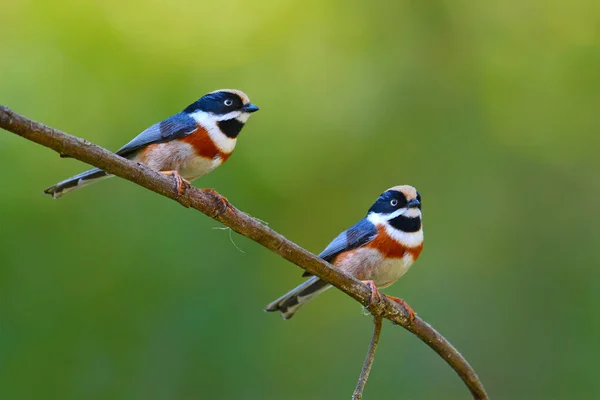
415, 251
204, 145
390, 248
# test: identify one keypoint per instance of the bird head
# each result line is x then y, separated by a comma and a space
399, 207
227, 108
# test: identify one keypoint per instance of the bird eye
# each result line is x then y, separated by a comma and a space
394, 202
228, 102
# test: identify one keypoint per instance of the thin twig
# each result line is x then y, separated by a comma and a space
212, 204
366, 369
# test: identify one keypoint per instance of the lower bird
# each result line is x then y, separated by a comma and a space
378, 249
187, 145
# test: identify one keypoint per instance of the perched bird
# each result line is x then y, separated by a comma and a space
186, 145
378, 249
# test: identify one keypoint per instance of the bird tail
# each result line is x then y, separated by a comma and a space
290, 302
77, 182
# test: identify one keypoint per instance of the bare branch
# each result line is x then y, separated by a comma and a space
366, 369
217, 207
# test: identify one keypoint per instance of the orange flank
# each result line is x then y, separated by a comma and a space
340, 258
203, 145
143, 154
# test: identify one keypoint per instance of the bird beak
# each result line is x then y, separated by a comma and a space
413, 203
250, 108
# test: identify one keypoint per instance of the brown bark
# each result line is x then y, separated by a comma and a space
217, 207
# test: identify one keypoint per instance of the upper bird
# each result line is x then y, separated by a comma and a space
186, 145
378, 249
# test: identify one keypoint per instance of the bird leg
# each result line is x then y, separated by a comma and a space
181, 184
377, 296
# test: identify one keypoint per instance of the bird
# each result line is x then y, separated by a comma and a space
186, 145
377, 250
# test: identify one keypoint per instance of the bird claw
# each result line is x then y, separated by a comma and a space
375, 295
411, 312
181, 185
222, 199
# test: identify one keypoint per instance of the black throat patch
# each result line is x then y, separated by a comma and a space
406, 224
231, 127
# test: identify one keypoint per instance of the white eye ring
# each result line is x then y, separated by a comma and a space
228, 102
394, 202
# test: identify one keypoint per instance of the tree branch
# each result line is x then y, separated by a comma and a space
215, 206
366, 369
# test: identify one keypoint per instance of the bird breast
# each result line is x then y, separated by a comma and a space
178, 156
371, 264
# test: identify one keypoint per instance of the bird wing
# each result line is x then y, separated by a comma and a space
358, 235
171, 128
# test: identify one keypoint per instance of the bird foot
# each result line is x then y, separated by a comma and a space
375, 295
181, 184
411, 312
222, 199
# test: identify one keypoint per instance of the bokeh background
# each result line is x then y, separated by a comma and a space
491, 109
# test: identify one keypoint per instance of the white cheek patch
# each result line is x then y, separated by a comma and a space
243, 118
412, 213
395, 214
382, 218
377, 218
203, 118
231, 115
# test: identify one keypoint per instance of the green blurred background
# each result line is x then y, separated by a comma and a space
491, 109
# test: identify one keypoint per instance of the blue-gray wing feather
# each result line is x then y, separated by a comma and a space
358, 235
174, 127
